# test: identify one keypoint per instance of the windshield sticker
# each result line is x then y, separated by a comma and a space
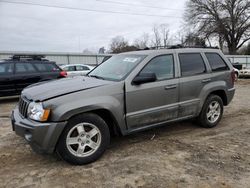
130, 59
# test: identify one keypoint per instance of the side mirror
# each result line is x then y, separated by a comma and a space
144, 78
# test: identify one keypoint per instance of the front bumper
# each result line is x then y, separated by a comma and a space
41, 136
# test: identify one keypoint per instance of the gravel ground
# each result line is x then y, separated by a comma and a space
177, 155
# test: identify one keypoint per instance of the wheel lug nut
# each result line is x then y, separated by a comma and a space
79, 140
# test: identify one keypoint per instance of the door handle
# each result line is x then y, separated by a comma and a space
206, 80
170, 87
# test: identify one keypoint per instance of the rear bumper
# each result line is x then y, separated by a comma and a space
230, 95
41, 136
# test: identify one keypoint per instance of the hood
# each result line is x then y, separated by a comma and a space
51, 89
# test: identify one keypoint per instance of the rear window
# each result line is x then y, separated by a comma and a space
216, 62
6, 68
25, 68
191, 64
46, 67
81, 68
69, 68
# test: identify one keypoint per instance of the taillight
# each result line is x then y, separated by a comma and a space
63, 74
233, 76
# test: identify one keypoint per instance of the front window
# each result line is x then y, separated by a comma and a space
162, 66
117, 67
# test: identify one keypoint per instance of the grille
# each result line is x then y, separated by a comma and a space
23, 106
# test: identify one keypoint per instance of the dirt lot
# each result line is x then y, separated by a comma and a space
177, 155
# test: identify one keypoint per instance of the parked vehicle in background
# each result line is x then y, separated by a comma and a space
129, 92
23, 70
245, 72
77, 69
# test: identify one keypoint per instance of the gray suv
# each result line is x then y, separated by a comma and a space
129, 92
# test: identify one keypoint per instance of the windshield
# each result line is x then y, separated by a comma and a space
117, 67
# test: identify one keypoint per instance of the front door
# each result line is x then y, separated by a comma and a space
154, 102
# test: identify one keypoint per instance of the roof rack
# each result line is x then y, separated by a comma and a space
28, 57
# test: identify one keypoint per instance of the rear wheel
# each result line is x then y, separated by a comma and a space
84, 139
212, 112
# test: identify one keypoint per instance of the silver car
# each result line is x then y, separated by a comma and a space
130, 92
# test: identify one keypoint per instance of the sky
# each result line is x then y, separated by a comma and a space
26, 27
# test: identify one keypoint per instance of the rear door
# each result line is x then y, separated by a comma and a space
194, 76
7, 84
25, 75
154, 102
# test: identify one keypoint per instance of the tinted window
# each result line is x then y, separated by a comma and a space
81, 68
69, 68
24, 67
46, 67
191, 64
6, 68
162, 66
216, 62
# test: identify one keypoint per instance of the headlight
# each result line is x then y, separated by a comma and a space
37, 112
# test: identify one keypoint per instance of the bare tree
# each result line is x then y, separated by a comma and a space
164, 33
156, 40
119, 44
228, 19
142, 42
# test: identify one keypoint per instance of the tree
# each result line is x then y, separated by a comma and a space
160, 35
142, 42
228, 19
245, 50
119, 44
164, 33
156, 41
101, 50
193, 40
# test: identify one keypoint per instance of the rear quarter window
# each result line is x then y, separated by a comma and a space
191, 64
46, 67
216, 62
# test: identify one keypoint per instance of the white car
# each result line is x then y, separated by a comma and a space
245, 72
77, 69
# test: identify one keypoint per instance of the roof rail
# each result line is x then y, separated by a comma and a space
178, 46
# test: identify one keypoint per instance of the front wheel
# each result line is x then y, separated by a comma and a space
84, 139
211, 112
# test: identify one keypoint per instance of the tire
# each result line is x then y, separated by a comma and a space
84, 139
210, 117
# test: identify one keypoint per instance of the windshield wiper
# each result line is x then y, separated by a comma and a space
95, 76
